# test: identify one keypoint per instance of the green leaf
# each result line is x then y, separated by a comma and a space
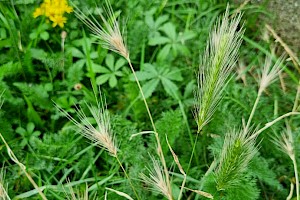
189, 89
158, 40
186, 36
38, 54
109, 61
169, 30
100, 69
30, 127
164, 52
170, 87
120, 63
174, 74
112, 81
149, 87
45, 35
76, 52
102, 79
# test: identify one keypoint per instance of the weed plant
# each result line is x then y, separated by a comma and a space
145, 100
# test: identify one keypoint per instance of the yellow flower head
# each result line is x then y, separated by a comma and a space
54, 10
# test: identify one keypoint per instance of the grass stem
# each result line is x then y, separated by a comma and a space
159, 148
117, 158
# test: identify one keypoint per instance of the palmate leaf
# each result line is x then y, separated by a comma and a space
174, 43
110, 72
154, 75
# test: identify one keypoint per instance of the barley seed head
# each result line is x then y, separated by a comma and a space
108, 32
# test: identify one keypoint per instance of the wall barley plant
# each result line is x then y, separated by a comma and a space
216, 66
237, 152
100, 135
285, 142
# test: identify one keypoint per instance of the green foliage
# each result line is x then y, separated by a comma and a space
166, 42
153, 75
111, 72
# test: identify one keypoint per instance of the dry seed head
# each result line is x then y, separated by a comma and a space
109, 33
157, 179
285, 143
269, 73
100, 135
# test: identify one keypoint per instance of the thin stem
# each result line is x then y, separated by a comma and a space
269, 124
137, 196
159, 149
188, 129
296, 98
182, 187
23, 168
296, 176
253, 111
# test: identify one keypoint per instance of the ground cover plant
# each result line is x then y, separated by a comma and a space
146, 100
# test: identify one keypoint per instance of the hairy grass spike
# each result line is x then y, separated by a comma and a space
285, 143
216, 66
109, 33
157, 180
269, 75
236, 154
102, 134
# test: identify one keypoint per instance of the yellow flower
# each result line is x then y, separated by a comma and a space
54, 10
38, 12
58, 20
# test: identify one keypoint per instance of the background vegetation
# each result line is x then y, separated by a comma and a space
41, 65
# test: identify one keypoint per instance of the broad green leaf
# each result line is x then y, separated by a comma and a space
186, 36
76, 52
119, 73
94, 55
142, 76
120, 63
160, 20
109, 61
158, 40
30, 127
164, 52
170, 87
38, 54
45, 35
112, 81
149, 87
170, 31
102, 79
101, 69
174, 74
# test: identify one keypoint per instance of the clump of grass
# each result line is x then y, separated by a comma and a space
110, 37
238, 150
216, 66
